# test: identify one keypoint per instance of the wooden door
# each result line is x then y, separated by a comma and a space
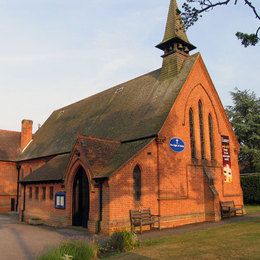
80, 199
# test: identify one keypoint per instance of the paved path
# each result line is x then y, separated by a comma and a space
19, 241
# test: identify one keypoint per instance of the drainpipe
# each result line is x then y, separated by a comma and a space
100, 205
159, 141
18, 167
24, 196
158, 179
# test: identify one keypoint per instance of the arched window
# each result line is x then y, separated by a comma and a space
192, 135
137, 183
211, 139
201, 131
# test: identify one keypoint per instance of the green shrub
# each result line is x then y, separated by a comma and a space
123, 241
118, 242
251, 188
78, 249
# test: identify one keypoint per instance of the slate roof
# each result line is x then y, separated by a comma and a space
9, 145
104, 157
53, 170
174, 25
135, 109
111, 126
174, 30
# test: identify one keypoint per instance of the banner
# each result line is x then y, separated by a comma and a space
226, 159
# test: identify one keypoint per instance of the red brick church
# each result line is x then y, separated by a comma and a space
160, 141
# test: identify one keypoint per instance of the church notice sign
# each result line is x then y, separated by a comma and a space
60, 200
177, 145
226, 159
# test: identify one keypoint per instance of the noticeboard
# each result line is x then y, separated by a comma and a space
60, 200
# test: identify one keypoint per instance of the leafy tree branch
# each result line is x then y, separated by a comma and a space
194, 9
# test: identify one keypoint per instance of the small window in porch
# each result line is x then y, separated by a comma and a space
44, 193
36, 193
30, 192
51, 194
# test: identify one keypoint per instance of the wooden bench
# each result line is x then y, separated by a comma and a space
228, 209
140, 218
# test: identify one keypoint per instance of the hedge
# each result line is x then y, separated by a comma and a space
251, 187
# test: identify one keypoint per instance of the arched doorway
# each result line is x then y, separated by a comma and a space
80, 206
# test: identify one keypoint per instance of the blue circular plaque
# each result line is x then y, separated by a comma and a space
177, 145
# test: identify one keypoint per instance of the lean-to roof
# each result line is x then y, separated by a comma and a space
52, 171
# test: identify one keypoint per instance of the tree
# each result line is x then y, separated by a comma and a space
194, 9
244, 116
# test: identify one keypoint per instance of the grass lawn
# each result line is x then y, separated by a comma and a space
252, 208
239, 240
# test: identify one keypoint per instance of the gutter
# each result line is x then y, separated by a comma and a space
159, 141
24, 182
139, 139
100, 206
41, 157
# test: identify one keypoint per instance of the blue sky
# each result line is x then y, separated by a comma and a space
55, 52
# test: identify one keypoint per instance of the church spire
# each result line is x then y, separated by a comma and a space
174, 32
175, 44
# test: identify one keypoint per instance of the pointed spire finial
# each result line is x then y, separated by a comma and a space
174, 32
175, 44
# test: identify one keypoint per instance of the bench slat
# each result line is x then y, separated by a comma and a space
143, 218
229, 208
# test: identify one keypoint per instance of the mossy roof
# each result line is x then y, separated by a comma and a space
9, 145
52, 171
132, 110
112, 126
103, 157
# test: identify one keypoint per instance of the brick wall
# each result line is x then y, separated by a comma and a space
44, 208
173, 185
185, 196
8, 185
